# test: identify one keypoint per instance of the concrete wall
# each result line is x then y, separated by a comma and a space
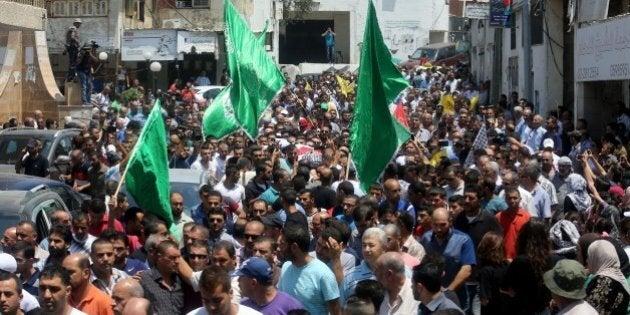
405, 24
21, 15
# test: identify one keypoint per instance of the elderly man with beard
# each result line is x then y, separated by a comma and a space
104, 276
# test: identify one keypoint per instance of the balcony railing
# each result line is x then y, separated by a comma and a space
35, 3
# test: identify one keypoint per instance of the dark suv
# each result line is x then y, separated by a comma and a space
56, 147
35, 205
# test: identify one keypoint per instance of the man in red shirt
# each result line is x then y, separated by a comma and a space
99, 220
512, 220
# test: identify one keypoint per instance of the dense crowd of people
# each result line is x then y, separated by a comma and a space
490, 208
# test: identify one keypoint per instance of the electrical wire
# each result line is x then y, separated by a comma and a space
553, 55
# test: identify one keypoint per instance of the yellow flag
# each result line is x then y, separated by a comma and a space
344, 86
448, 103
308, 87
473, 102
437, 157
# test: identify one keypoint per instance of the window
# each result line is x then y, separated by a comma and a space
537, 27
59, 8
79, 8
192, 4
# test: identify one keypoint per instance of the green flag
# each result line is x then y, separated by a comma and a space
262, 37
218, 119
255, 78
375, 134
147, 170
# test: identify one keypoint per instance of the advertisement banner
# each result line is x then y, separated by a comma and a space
602, 50
199, 42
162, 44
500, 13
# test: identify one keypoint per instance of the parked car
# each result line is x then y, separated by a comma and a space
440, 54
184, 181
36, 205
71, 198
56, 147
207, 92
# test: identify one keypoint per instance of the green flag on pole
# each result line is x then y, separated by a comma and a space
146, 176
262, 37
255, 78
375, 134
218, 119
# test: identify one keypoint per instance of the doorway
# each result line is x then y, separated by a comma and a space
302, 41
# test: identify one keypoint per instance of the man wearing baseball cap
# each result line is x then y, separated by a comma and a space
256, 283
8, 265
566, 283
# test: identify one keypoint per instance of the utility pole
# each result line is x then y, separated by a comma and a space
527, 50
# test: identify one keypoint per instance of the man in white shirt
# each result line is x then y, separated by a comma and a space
399, 299
204, 163
219, 160
229, 188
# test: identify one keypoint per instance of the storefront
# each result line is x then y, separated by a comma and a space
602, 70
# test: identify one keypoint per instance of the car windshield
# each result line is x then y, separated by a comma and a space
11, 146
430, 52
211, 94
190, 193
188, 190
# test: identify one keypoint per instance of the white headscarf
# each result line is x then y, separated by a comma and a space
603, 261
577, 192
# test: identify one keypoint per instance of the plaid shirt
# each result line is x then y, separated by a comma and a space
117, 276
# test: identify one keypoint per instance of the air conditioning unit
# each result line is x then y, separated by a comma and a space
172, 23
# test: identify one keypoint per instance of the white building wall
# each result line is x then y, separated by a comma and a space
405, 24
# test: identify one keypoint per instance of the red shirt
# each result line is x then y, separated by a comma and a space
99, 227
511, 222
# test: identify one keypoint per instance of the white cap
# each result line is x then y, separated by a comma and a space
548, 143
518, 109
7, 263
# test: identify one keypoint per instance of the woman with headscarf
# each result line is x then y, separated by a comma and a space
577, 198
607, 291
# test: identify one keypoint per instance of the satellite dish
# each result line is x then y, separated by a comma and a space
462, 46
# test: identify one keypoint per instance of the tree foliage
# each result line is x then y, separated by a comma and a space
295, 10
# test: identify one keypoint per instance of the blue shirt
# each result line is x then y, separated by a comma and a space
533, 138
354, 276
542, 202
313, 284
458, 250
404, 206
270, 195
330, 39
133, 266
349, 220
